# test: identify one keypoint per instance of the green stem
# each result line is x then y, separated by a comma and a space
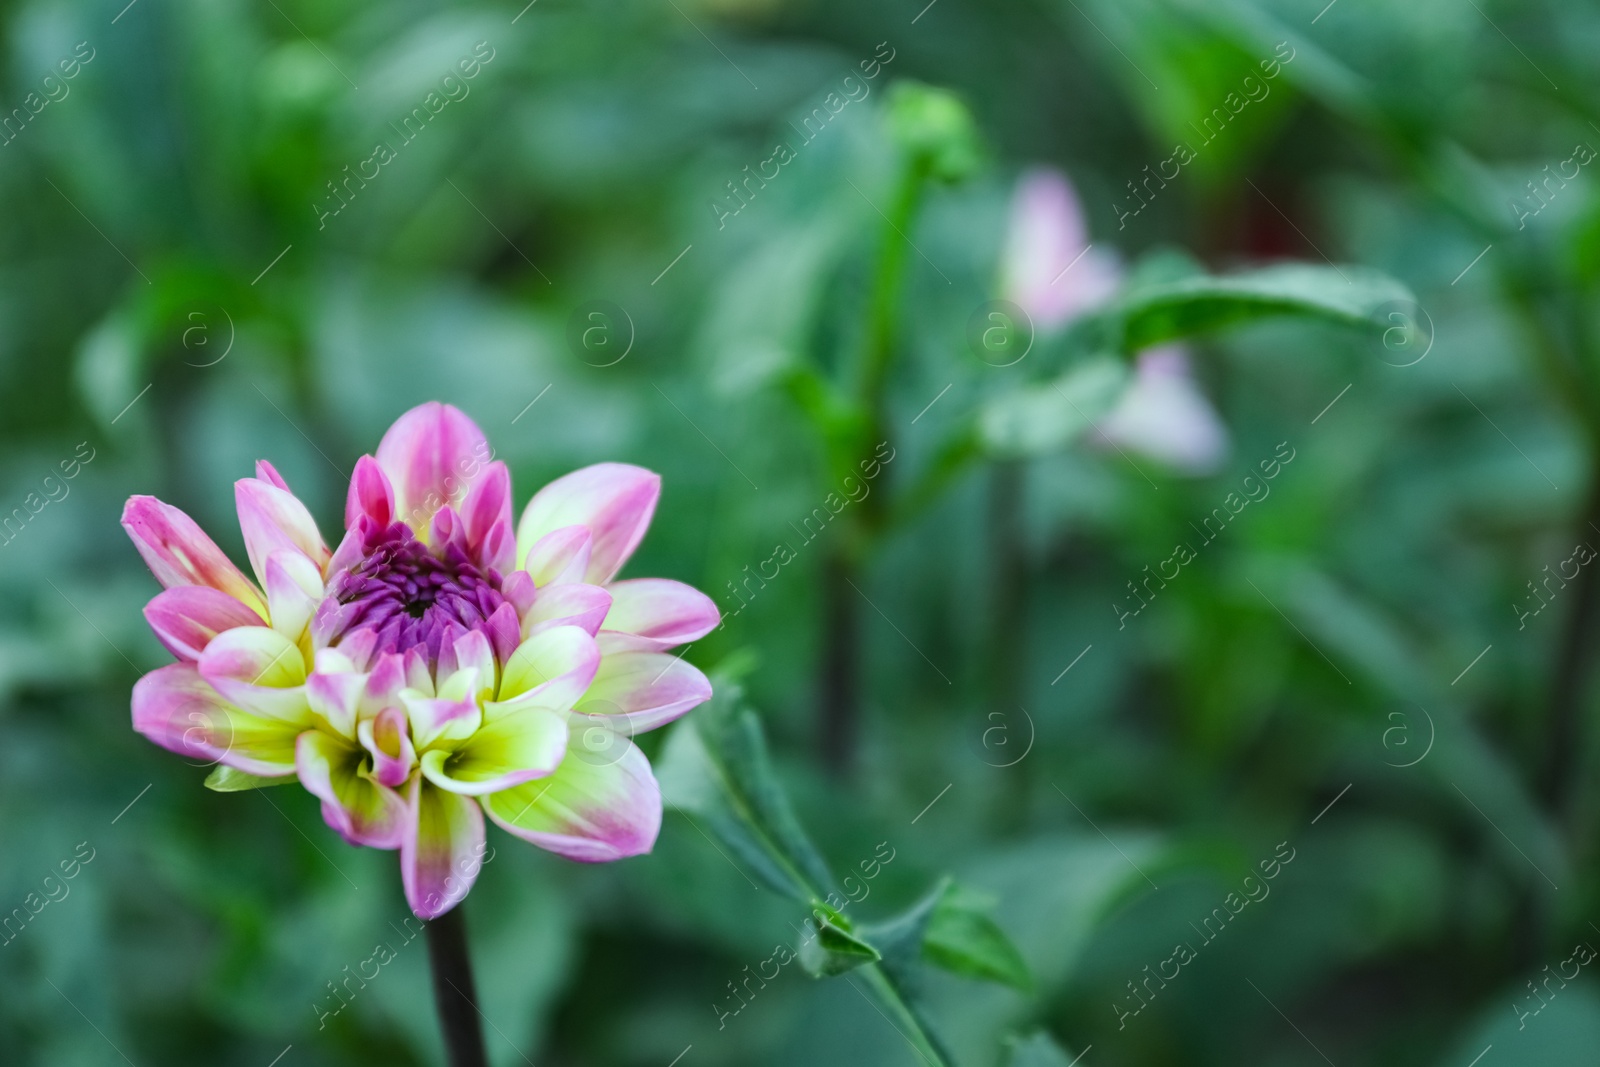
840, 696
454, 993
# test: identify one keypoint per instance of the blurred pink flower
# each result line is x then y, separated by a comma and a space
1165, 416
1048, 268
439, 664
1051, 271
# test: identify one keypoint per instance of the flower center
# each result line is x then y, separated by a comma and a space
410, 597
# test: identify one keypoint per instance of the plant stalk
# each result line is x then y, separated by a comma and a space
839, 708
454, 994
1573, 670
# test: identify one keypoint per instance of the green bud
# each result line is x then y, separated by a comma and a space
935, 129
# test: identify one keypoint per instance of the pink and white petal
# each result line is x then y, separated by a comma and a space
176, 708
486, 512
259, 670
419, 676
353, 546
574, 604
595, 808
268, 473
505, 632
614, 500
660, 612
442, 850
440, 722
370, 494
472, 652
384, 683
179, 553
294, 591
186, 618
646, 689
358, 645
505, 753
549, 670
557, 557
446, 529
335, 696
273, 519
361, 810
519, 590
431, 455
385, 736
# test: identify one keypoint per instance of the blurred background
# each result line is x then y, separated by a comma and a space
1348, 722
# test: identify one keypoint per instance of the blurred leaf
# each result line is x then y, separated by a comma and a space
715, 766
759, 318
1351, 296
1038, 419
963, 939
1037, 1050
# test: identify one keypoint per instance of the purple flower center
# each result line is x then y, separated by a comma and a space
410, 597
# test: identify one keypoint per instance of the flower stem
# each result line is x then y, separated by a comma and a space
454, 994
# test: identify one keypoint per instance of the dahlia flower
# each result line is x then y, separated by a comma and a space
439, 665
1052, 272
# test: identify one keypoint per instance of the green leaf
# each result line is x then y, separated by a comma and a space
715, 770
1352, 296
225, 779
894, 984
834, 948
1038, 419
963, 939
1038, 1049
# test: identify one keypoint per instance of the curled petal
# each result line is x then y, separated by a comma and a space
660, 613
361, 810
179, 553
559, 556
273, 519
175, 707
645, 689
446, 528
440, 721
549, 670
442, 849
418, 675
491, 540
431, 455
186, 618
261, 671
335, 690
359, 644
470, 650
505, 631
294, 590
370, 495
598, 806
388, 677
519, 590
507, 752
386, 738
268, 473
614, 500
